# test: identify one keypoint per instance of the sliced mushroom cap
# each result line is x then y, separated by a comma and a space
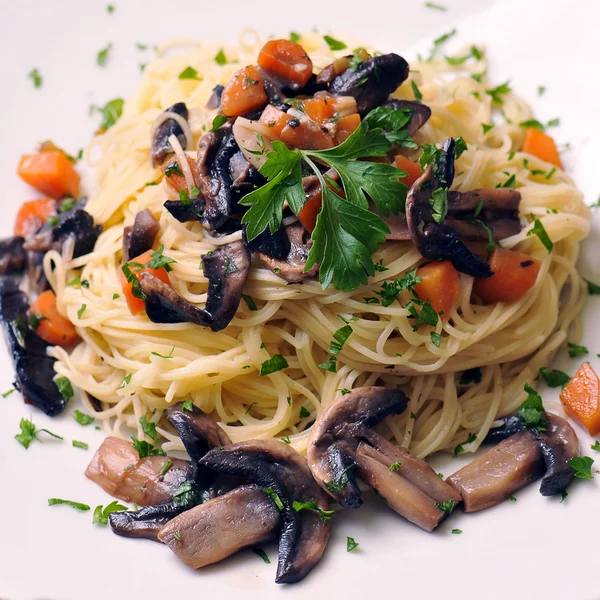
161, 146
118, 470
12, 255
559, 444
420, 113
214, 101
165, 305
277, 245
226, 269
273, 464
333, 438
291, 267
186, 211
399, 493
372, 81
139, 237
145, 523
34, 370
210, 532
500, 472
435, 240
35, 271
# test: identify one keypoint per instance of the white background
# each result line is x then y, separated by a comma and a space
534, 548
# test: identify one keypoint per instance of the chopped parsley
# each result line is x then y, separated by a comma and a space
187, 494
64, 387
249, 301
390, 290
459, 60
217, 122
273, 364
115, 296
149, 428
460, 147
144, 449
341, 481
110, 9
436, 338
554, 377
304, 413
447, 506
8, 392
102, 57
269, 491
436, 6
531, 412
576, 350
416, 91
395, 467
340, 337
158, 260
81, 310
351, 544
36, 77
596, 446
539, 230
457, 531
427, 316
220, 57
260, 552
582, 465
29, 432
334, 44
486, 128
344, 391
101, 514
111, 112
512, 499
437, 43
497, 92
82, 418
77, 505
173, 168
541, 90
189, 73
329, 365
187, 405
459, 449
78, 444
294, 37
126, 381
286, 439
324, 514
535, 123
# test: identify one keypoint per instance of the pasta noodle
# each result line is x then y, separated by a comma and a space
131, 365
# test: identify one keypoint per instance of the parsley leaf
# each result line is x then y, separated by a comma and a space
416, 91
77, 505
330, 365
260, 552
82, 418
273, 364
220, 58
596, 446
304, 412
102, 56
81, 310
189, 73
395, 467
436, 338
145, 449
218, 121
111, 112
159, 260
427, 316
539, 230
274, 496
351, 544
497, 92
101, 514
64, 387
294, 37
187, 494
324, 514
436, 6
390, 290
339, 339
554, 378
582, 465
187, 405
250, 302
593, 289
170, 355
457, 531
531, 412
36, 77
437, 43
149, 428
576, 350
439, 204
334, 44
447, 506
78, 444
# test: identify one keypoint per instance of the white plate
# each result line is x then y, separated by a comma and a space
535, 547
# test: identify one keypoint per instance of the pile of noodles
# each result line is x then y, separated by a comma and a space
118, 361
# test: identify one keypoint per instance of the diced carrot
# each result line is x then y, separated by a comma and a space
320, 109
308, 214
286, 59
305, 134
581, 398
514, 275
137, 305
51, 173
274, 119
244, 93
440, 285
345, 127
412, 169
541, 145
33, 214
177, 181
53, 327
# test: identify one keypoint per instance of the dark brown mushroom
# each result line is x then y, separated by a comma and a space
35, 271
214, 101
276, 245
420, 113
145, 523
273, 464
34, 370
139, 237
372, 81
161, 147
118, 470
333, 439
12, 255
500, 472
437, 240
291, 267
210, 532
186, 211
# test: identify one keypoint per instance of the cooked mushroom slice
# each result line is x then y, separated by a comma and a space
500, 472
559, 444
118, 470
214, 101
510, 426
199, 433
401, 495
276, 245
420, 113
435, 240
139, 237
273, 464
12, 255
161, 146
333, 440
145, 523
372, 81
210, 532
226, 269
34, 370
291, 267
165, 305
186, 211
35, 272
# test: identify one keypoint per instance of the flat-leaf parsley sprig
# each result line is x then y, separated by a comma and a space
346, 232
